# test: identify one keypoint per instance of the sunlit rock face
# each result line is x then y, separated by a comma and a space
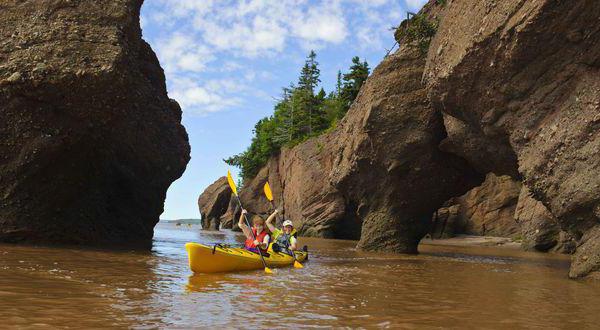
526, 75
89, 139
379, 176
213, 203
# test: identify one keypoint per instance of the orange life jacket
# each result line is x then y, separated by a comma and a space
260, 238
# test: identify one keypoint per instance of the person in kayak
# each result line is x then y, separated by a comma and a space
284, 238
257, 237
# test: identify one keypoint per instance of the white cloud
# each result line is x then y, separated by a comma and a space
325, 23
229, 66
181, 8
214, 95
258, 27
370, 3
181, 52
246, 38
201, 41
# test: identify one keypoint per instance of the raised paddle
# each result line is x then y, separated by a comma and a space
234, 190
269, 195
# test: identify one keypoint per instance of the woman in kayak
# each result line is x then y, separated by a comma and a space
257, 236
284, 238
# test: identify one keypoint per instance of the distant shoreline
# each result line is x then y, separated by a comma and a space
182, 221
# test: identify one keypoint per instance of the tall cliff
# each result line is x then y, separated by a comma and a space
510, 87
526, 75
89, 140
379, 175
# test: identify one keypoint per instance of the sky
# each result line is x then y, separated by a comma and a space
226, 62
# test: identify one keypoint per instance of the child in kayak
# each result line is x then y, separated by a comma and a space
260, 233
284, 238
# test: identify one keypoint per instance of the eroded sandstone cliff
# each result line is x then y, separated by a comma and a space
509, 87
213, 203
526, 75
89, 140
380, 175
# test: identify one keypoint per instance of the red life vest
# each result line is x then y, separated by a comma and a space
260, 238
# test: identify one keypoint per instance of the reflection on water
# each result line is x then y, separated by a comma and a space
442, 287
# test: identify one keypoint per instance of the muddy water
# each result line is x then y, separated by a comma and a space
339, 287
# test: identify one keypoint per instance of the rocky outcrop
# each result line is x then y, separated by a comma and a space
213, 203
233, 212
389, 165
446, 221
526, 75
299, 180
486, 210
310, 200
252, 193
502, 207
89, 140
512, 87
380, 175
539, 228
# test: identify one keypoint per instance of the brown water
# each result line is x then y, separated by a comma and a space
339, 287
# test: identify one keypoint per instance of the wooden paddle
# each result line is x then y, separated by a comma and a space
269, 195
234, 190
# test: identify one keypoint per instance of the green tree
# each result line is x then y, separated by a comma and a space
353, 80
310, 74
300, 113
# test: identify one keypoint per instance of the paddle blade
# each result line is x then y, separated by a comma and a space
268, 270
268, 192
297, 264
231, 183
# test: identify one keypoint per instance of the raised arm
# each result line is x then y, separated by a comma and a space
243, 226
270, 220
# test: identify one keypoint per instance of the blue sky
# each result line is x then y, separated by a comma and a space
226, 62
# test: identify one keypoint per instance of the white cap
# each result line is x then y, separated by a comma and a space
288, 223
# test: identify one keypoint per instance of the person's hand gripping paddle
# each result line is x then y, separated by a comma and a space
234, 190
269, 195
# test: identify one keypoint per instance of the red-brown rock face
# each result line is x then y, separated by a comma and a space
380, 175
388, 163
299, 180
89, 140
539, 229
489, 209
213, 203
526, 75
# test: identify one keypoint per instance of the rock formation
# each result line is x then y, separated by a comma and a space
299, 180
380, 173
388, 164
488, 209
539, 228
89, 140
213, 203
502, 207
526, 75
509, 87
227, 219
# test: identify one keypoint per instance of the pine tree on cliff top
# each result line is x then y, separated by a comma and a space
304, 96
353, 80
301, 114
310, 74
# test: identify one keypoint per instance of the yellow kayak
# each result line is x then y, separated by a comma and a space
217, 259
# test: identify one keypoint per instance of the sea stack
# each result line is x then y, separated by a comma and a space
90, 141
